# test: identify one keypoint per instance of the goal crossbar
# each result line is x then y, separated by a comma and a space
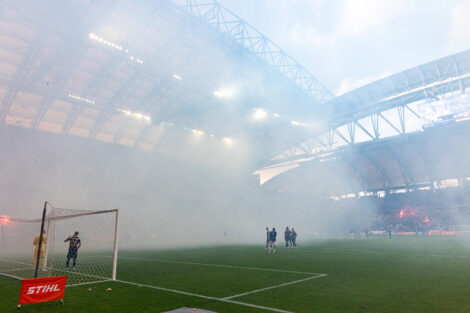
56, 218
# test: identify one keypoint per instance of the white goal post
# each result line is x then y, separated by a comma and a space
90, 256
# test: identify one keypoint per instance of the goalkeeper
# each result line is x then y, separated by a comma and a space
74, 245
43, 252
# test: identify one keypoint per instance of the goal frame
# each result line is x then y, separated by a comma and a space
45, 219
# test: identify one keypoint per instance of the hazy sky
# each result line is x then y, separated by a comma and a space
347, 43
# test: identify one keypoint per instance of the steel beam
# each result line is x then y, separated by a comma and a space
256, 43
405, 172
374, 118
365, 130
57, 87
143, 136
381, 172
126, 90
93, 88
18, 80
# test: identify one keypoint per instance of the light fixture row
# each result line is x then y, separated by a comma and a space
136, 115
81, 99
115, 46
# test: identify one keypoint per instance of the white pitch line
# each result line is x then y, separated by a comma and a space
255, 306
205, 297
23, 263
19, 269
102, 279
273, 287
226, 300
90, 282
167, 289
221, 265
81, 274
11, 276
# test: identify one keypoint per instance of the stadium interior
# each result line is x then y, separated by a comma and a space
201, 130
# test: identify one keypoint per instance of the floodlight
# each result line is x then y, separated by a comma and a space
259, 114
228, 141
224, 93
198, 132
81, 99
136, 115
296, 123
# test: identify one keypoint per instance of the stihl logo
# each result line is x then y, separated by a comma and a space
36, 290
43, 289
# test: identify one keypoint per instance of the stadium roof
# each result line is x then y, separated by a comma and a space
434, 158
427, 81
136, 74
430, 94
143, 74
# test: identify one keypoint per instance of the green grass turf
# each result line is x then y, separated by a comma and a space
407, 274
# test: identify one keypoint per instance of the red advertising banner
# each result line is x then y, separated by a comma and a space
405, 233
42, 289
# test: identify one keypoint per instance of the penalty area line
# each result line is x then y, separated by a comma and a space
20, 269
273, 287
11, 276
205, 297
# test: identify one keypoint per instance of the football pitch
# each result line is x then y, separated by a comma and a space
407, 274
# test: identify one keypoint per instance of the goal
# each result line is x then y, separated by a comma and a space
24, 254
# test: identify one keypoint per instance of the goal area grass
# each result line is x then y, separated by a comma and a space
407, 274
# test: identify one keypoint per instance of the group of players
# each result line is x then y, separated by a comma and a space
74, 244
290, 237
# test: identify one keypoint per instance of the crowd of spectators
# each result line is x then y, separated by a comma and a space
415, 220
440, 210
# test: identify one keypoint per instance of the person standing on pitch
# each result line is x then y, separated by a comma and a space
293, 238
287, 235
268, 237
272, 241
43, 250
74, 245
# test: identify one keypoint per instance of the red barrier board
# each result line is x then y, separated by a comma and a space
405, 233
42, 289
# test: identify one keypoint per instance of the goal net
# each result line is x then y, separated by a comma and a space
86, 257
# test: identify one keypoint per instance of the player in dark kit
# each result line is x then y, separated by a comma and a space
272, 238
293, 238
268, 237
74, 245
287, 235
